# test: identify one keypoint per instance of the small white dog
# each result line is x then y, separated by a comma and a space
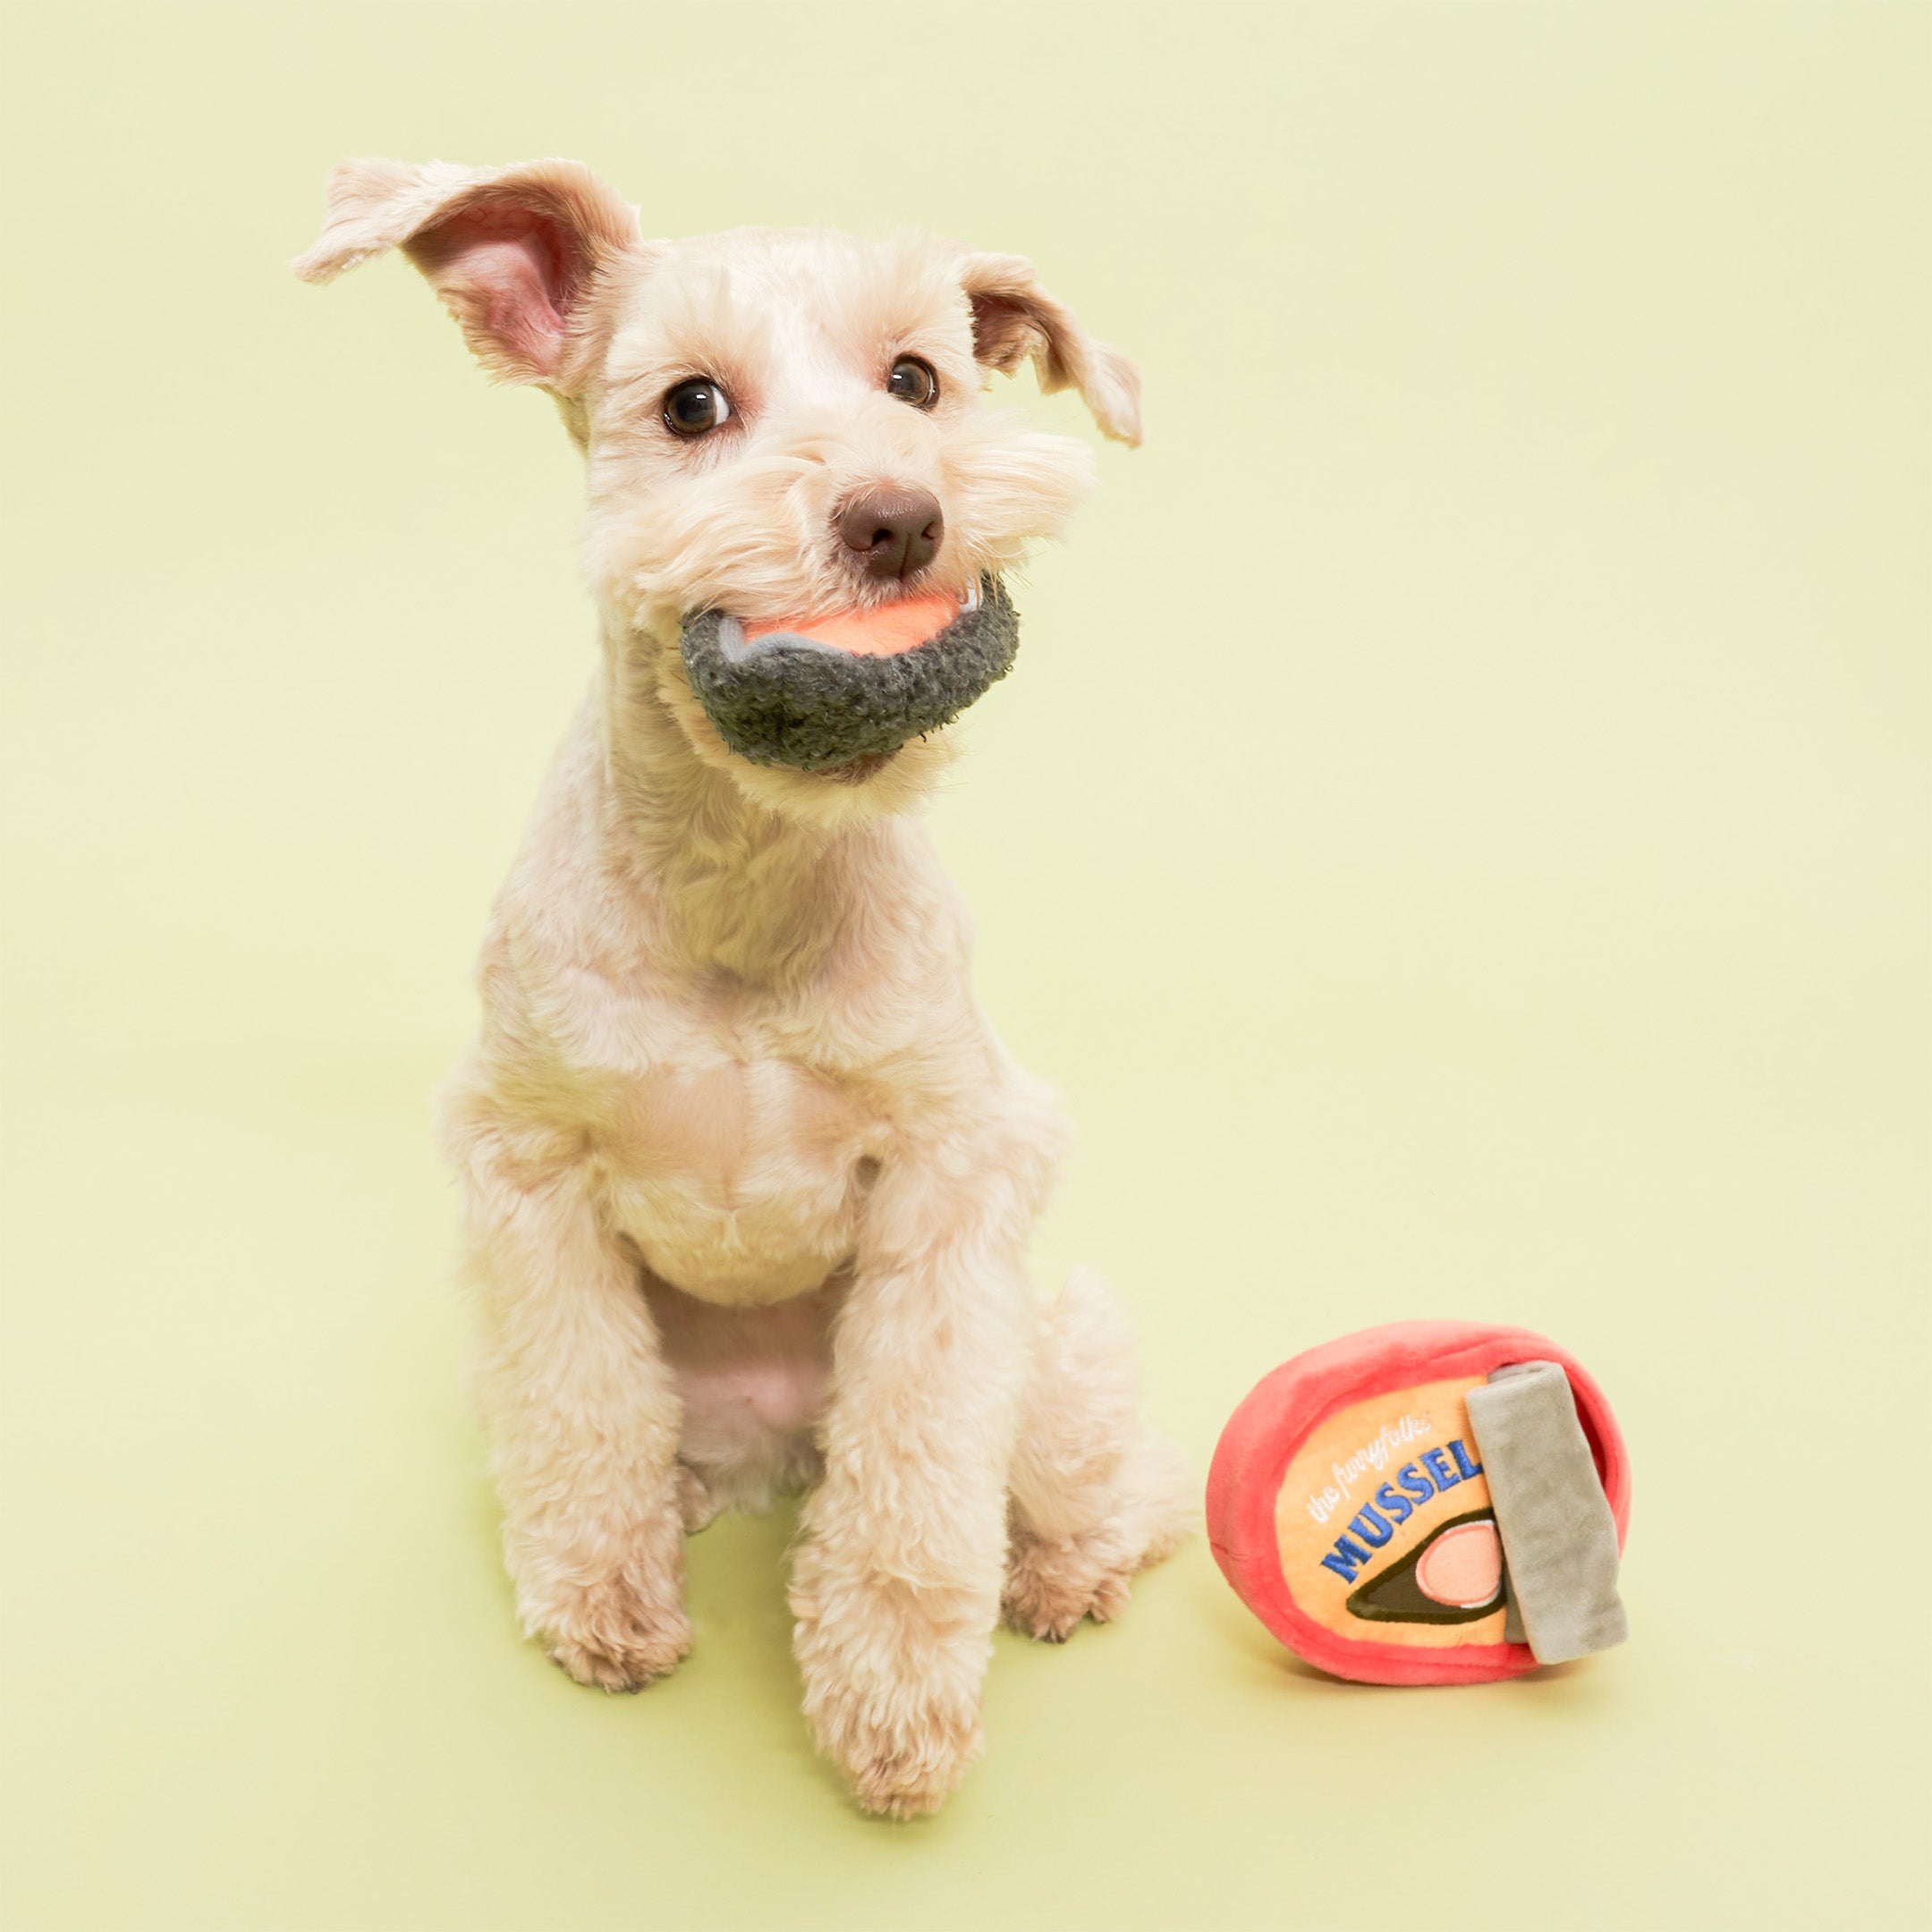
748, 1177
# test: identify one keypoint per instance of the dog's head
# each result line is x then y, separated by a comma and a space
800, 508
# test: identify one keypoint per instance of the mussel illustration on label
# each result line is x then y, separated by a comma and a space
1455, 1576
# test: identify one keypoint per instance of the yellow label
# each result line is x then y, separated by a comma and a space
1384, 1523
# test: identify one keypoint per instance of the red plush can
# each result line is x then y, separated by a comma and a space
1347, 1503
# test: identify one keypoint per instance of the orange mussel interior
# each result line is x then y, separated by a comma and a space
881, 630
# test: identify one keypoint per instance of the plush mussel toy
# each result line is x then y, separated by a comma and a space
1427, 1503
825, 694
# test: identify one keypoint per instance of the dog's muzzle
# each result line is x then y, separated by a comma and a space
782, 697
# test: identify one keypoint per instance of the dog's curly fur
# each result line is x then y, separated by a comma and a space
748, 1178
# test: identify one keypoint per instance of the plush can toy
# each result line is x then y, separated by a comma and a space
1427, 1503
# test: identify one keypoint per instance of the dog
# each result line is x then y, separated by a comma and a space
747, 1178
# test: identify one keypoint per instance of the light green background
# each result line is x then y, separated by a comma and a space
1458, 834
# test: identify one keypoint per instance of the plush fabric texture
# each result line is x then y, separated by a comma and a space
784, 698
1349, 1503
1559, 1538
872, 630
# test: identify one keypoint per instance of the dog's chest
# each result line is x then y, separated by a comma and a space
741, 1179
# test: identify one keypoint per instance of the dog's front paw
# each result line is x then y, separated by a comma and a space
617, 1625
617, 1645
903, 1740
892, 1695
1052, 1586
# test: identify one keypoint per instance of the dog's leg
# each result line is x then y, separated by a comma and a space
1096, 1494
698, 1508
583, 1422
896, 1583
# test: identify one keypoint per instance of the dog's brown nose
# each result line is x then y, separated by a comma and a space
892, 532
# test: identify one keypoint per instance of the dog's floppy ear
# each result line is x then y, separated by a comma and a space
1015, 318
514, 252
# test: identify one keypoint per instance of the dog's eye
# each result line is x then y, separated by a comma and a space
696, 406
914, 381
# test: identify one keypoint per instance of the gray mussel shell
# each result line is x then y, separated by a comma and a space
787, 699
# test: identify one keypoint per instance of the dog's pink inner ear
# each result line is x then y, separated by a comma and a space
510, 276
1004, 331
1013, 317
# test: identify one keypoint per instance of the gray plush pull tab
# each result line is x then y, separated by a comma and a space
1559, 1538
